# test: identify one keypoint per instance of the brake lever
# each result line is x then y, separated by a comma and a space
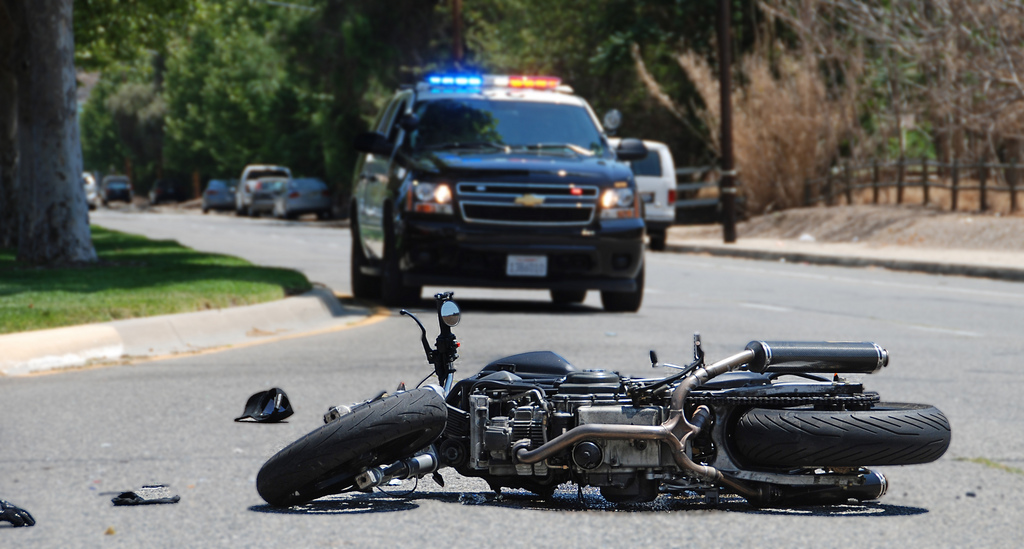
423, 336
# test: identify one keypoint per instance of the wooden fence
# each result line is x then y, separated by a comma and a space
979, 186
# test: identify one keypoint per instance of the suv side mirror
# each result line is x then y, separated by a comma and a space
409, 122
631, 149
373, 143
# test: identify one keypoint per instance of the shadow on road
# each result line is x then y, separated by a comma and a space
568, 500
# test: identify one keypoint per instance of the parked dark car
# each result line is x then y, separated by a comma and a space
114, 188
168, 190
219, 195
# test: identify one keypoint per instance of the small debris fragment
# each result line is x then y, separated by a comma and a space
110, 531
472, 499
149, 494
971, 495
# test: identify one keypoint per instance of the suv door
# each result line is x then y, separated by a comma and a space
374, 175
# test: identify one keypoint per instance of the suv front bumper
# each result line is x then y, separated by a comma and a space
458, 254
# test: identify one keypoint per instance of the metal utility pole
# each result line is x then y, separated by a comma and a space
727, 187
457, 31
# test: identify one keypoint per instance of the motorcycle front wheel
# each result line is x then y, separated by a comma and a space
889, 433
327, 460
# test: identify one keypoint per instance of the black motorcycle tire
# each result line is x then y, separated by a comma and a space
327, 460
887, 434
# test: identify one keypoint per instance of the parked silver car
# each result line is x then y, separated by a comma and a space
302, 196
219, 195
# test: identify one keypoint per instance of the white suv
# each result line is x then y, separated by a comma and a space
656, 183
256, 188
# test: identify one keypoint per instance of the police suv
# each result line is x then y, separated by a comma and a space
495, 181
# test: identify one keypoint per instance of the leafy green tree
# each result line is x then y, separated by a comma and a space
112, 31
101, 145
350, 56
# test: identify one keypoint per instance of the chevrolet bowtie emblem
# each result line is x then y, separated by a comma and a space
530, 200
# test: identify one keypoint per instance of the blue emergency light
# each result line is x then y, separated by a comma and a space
459, 80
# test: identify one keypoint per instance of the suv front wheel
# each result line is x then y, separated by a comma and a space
625, 302
393, 291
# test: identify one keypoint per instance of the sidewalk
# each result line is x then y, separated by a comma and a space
977, 263
318, 310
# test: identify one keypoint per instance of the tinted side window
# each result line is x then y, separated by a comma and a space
650, 166
387, 116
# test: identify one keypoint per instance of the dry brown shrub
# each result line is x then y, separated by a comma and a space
786, 124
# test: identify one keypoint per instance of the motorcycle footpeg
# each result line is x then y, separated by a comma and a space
369, 479
335, 412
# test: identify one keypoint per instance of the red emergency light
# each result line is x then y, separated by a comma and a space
534, 82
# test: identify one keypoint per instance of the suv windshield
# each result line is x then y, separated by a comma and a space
482, 123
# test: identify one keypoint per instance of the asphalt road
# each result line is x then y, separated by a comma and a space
71, 441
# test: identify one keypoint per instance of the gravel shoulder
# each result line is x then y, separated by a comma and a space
915, 226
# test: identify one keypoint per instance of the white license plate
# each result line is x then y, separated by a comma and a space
527, 265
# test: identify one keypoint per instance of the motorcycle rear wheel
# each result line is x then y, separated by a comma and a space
327, 460
888, 434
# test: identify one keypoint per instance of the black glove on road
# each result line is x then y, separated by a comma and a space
15, 515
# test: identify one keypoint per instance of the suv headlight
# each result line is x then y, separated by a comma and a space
618, 203
430, 198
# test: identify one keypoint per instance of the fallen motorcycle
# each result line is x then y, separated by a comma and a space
762, 423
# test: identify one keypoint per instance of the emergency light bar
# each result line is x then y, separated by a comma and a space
522, 82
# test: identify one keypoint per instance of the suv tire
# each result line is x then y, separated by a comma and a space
625, 302
393, 291
658, 239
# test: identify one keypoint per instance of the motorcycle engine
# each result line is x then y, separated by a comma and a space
498, 420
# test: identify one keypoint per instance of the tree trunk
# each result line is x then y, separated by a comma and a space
8, 129
53, 219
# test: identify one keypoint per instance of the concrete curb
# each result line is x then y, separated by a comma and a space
945, 265
74, 346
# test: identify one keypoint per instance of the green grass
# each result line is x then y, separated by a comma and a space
134, 277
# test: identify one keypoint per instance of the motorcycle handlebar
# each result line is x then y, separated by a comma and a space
843, 357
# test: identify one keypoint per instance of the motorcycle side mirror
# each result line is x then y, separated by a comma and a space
450, 314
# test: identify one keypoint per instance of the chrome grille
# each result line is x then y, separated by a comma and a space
495, 203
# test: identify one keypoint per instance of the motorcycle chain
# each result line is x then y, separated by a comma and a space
712, 399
